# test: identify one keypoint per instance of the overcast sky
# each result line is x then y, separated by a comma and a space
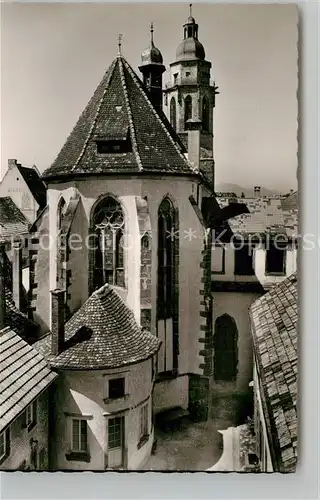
54, 56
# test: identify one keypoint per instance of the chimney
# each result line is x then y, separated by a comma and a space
17, 272
2, 287
57, 321
257, 191
194, 129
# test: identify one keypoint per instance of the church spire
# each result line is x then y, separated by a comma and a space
120, 37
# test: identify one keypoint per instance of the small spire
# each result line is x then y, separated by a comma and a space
151, 32
120, 37
190, 6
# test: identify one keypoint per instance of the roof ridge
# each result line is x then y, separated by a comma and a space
131, 124
111, 70
139, 83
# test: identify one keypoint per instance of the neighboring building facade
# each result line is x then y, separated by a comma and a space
274, 320
25, 380
254, 252
102, 410
25, 187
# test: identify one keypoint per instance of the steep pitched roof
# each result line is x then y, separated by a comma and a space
266, 215
102, 334
35, 184
24, 375
274, 320
12, 220
19, 321
120, 108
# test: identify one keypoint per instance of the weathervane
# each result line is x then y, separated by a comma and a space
120, 37
151, 31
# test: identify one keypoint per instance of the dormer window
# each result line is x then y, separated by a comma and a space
115, 143
114, 147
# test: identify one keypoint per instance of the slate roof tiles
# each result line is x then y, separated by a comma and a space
267, 216
274, 328
102, 334
12, 220
24, 375
121, 105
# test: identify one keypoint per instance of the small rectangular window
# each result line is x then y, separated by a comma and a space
31, 415
79, 435
114, 146
115, 432
218, 259
144, 421
116, 388
4, 445
275, 260
243, 261
175, 78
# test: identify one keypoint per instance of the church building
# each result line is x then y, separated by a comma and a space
131, 211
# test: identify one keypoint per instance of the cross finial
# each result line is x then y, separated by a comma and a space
190, 6
151, 31
120, 36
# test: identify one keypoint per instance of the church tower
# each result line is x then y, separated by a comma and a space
152, 69
189, 93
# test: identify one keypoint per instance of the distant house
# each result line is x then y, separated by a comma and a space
267, 238
274, 332
13, 223
25, 187
24, 379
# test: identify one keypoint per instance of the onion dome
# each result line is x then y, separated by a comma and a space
190, 49
151, 55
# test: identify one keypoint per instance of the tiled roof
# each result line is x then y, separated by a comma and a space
121, 106
274, 329
12, 220
290, 202
102, 334
35, 184
24, 375
267, 215
19, 321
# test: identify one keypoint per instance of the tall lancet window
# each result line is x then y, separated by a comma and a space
62, 250
108, 226
62, 206
187, 109
205, 114
167, 310
173, 113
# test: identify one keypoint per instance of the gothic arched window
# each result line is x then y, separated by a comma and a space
62, 206
167, 239
205, 114
168, 288
61, 245
187, 109
225, 343
173, 113
108, 227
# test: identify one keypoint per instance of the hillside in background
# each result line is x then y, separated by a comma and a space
228, 187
